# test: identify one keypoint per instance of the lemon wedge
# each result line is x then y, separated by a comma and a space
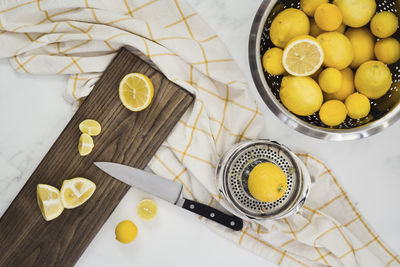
90, 127
303, 56
49, 201
147, 209
136, 91
85, 145
76, 191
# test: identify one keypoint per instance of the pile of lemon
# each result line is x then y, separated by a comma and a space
320, 47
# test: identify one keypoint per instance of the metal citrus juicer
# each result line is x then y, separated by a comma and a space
233, 171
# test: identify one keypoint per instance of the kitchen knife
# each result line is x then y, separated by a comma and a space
168, 190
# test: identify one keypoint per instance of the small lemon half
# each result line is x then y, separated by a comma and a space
49, 201
126, 231
85, 145
147, 209
76, 191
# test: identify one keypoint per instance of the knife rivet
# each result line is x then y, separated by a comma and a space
191, 206
212, 214
232, 223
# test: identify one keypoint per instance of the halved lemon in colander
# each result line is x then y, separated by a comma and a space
302, 56
49, 201
76, 191
136, 91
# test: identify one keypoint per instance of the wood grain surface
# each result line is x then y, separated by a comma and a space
127, 137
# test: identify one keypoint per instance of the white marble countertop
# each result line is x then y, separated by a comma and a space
33, 113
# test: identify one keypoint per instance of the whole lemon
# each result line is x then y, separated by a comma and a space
333, 112
357, 105
356, 13
126, 232
373, 79
300, 95
384, 24
267, 182
272, 61
288, 24
347, 86
328, 17
341, 28
337, 49
315, 30
363, 43
309, 6
330, 80
387, 50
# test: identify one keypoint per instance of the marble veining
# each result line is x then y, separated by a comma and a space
33, 113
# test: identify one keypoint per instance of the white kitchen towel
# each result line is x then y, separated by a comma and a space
80, 38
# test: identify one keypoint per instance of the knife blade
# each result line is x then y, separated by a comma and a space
168, 190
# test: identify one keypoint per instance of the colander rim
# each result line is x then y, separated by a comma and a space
286, 116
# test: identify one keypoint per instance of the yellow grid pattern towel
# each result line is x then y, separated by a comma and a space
80, 37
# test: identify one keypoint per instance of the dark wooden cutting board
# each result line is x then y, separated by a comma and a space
127, 137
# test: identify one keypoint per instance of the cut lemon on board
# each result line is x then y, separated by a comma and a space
303, 56
85, 145
49, 201
147, 209
90, 127
76, 191
136, 91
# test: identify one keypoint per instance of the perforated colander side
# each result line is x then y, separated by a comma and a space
238, 170
379, 107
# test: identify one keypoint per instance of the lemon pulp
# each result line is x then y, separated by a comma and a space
90, 127
147, 209
136, 91
49, 201
76, 191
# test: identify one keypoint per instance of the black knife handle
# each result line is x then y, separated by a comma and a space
232, 222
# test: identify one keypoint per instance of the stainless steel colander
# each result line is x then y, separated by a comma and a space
384, 111
233, 172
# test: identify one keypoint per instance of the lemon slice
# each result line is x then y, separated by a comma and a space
85, 144
303, 56
90, 127
147, 209
76, 191
49, 201
136, 91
